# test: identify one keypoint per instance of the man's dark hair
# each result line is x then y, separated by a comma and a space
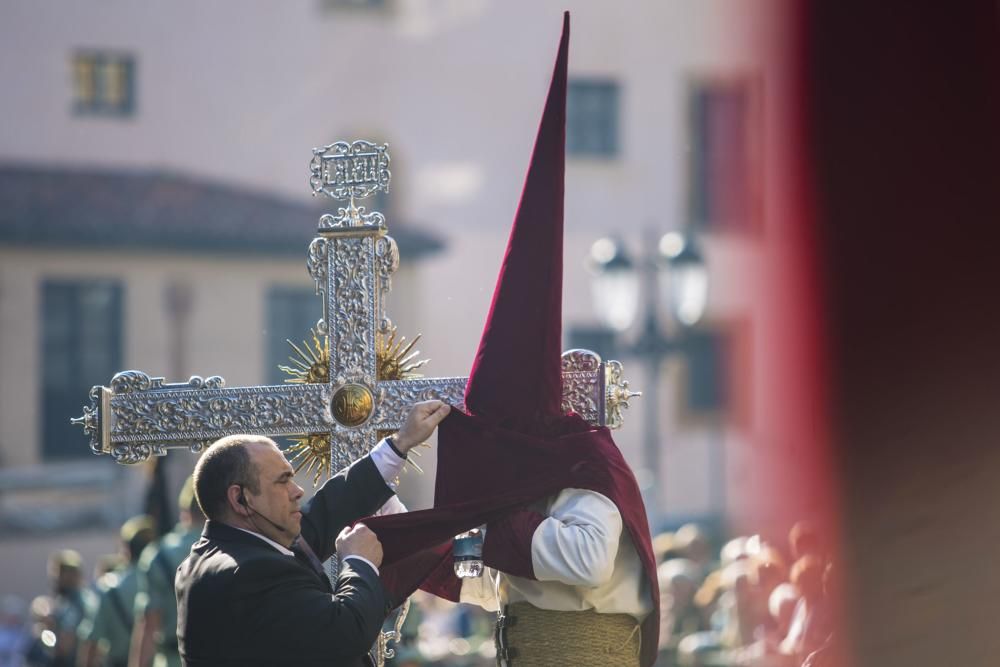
225, 463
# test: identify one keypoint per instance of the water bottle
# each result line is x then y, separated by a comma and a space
468, 552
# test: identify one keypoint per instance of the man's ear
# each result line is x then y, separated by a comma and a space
236, 500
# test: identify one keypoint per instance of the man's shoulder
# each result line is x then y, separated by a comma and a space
233, 559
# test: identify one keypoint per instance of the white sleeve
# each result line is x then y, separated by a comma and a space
578, 542
480, 591
388, 463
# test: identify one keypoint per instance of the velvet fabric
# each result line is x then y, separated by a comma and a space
486, 473
517, 446
507, 546
517, 371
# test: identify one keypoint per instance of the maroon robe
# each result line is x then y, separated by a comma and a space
516, 446
486, 473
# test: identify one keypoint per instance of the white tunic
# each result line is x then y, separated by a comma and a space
582, 557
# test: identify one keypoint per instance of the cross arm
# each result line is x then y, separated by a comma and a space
139, 416
592, 389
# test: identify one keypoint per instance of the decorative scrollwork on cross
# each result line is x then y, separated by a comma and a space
617, 394
351, 262
353, 170
354, 383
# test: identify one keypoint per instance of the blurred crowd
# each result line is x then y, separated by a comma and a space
124, 614
755, 605
749, 604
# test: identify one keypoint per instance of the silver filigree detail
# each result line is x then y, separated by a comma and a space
394, 398
352, 310
348, 445
351, 264
129, 381
383, 651
580, 360
127, 454
317, 263
353, 170
89, 419
351, 217
212, 382
617, 394
386, 263
173, 414
581, 385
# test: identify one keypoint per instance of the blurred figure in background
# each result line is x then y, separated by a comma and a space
830, 653
105, 635
805, 540
679, 580
154, 637
71, 603
691, 542
707, 597
41, 636
663, 547
748, 604
14, 637
737, 607
808, 631
781, 606
733, 550
768, 573
106, 563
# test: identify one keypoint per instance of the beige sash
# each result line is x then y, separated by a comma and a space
531, 637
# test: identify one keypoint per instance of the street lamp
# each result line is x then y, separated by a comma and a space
672, 268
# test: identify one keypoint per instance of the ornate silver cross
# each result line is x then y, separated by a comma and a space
354, 392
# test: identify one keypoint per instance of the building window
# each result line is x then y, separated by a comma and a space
103, 83
592, 118
706, 356
723, 192
81, 347
291, 313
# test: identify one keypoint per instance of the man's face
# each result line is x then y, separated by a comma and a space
279, 494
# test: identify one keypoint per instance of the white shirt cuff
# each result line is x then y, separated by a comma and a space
392, 506
363, 560
388, 462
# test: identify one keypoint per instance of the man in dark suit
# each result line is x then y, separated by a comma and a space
253, 592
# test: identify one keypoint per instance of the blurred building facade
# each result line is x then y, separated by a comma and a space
154, 208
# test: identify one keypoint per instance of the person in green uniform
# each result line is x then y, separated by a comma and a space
154, 637
70, 604
105, 635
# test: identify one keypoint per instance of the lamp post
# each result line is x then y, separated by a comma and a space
671, 267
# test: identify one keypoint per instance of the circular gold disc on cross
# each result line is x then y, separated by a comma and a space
352, 405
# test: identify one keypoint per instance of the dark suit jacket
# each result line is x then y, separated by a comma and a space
242, 602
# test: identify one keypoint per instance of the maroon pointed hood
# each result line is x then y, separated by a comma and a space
517, 371
517, 431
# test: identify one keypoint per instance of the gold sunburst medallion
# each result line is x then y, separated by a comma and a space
352, 404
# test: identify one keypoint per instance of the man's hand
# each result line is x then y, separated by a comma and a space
359, 541
420, 424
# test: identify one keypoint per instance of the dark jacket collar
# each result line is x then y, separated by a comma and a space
223, 532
